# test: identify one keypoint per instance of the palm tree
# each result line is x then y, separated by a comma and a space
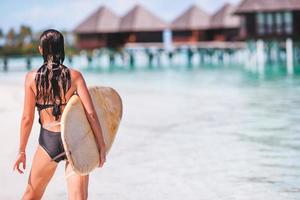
11, 36
25, 33
1, 36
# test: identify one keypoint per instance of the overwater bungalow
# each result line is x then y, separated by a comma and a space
270, 19
190, 26
100, 29
274, 26
104, 28
139, 25
224, 25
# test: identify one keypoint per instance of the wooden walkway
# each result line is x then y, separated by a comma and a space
192, 45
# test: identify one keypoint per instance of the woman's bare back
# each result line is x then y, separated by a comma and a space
47, 119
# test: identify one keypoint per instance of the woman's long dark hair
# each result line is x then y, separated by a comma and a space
53, 79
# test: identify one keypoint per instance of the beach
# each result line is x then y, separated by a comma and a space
194, 135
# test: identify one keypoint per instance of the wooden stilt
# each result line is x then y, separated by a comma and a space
289, 56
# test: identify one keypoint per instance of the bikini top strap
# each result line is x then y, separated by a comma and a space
44, 106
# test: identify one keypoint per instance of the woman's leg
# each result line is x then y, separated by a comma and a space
41, 172
77, 185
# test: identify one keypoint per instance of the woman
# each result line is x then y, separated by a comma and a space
49, 88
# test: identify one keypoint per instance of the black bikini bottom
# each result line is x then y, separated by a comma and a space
52, 143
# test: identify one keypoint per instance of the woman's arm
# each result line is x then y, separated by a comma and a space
26, 121
28, 112
92, 117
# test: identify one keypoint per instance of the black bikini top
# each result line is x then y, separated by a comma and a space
56, 108
55, 112
44, 106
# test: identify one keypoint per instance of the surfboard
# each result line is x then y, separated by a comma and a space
77, 135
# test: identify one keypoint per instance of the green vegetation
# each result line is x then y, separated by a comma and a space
25, 42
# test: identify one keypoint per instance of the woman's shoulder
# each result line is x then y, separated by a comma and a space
30, 78
75, 74
30, 75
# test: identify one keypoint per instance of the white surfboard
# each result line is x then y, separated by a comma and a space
77, 136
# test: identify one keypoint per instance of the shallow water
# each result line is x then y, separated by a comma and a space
204, 133
234, 131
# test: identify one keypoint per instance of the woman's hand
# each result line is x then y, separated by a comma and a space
20, 159
102, 155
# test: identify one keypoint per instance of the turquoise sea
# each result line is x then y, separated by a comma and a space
206, 132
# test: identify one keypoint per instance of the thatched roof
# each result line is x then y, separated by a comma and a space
141, 19
249, 6
225, 18
192, 18
103, 20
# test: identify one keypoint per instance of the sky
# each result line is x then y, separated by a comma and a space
67, 14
